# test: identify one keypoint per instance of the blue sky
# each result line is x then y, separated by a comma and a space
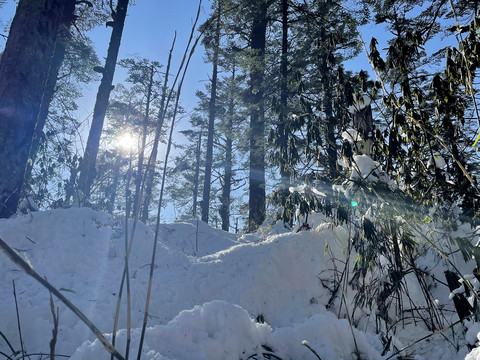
148, 33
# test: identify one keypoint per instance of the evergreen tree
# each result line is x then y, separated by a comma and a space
24, 70
87, 170
426, 142
215, 44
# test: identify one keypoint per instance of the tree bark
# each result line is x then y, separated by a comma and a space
23, 73
227, 182
141, 155
150, 170
112, 193
331, 124
197, 172
87, 167
282, 123
256, 199
205, 204
49, 90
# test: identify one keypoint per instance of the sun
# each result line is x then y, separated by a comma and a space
125, 141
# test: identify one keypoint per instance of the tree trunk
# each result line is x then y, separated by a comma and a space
87, 167
282, 123
112, 194
331, 140
24, 71
256, 199
197, 173
205, 204
141, 155
227, 182
49, 90
150, 170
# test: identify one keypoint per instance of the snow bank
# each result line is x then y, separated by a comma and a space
202, 307
210, 294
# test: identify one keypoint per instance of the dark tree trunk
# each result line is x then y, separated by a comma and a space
141, 155
49, 90
150, 170
197, 173
331, 124
256, 199
205, 204
87, 167
24, 71
227, 179
282, 123
112, 194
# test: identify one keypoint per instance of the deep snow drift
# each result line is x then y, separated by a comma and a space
215, 295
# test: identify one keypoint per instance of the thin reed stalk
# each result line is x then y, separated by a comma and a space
55, 315
18, 320
127, 272
169, 145
22, 264
138, 201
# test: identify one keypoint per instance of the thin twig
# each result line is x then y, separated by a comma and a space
6, 356
18, 319
8, 343
53, 342
428, 336
307, 345
127, 253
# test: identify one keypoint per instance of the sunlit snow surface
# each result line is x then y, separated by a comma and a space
209, 289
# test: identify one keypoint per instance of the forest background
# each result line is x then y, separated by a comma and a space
253, 56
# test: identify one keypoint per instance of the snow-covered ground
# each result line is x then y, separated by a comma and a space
215, 295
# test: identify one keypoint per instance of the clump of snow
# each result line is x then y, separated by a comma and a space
27, 205
214, 330
365, 168
360, 104
437, 160
307, 190
352, 136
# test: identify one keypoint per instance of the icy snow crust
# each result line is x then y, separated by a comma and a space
209, 289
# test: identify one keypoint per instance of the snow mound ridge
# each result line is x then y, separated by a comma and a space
202, 307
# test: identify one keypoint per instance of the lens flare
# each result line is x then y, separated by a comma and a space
126, 141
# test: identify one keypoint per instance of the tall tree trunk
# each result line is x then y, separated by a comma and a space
282, 128
87, 167
141, 155
112, 194
205, 204
256, 199
24, 71
227, 178
330, 123
150, 170
282, 124
197, 172
57, 60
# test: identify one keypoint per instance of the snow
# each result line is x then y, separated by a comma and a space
307, 190
351, 135
360, 104
215, 295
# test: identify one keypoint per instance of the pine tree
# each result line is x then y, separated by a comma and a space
87, 170
257, 190
23, 72
205, 205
